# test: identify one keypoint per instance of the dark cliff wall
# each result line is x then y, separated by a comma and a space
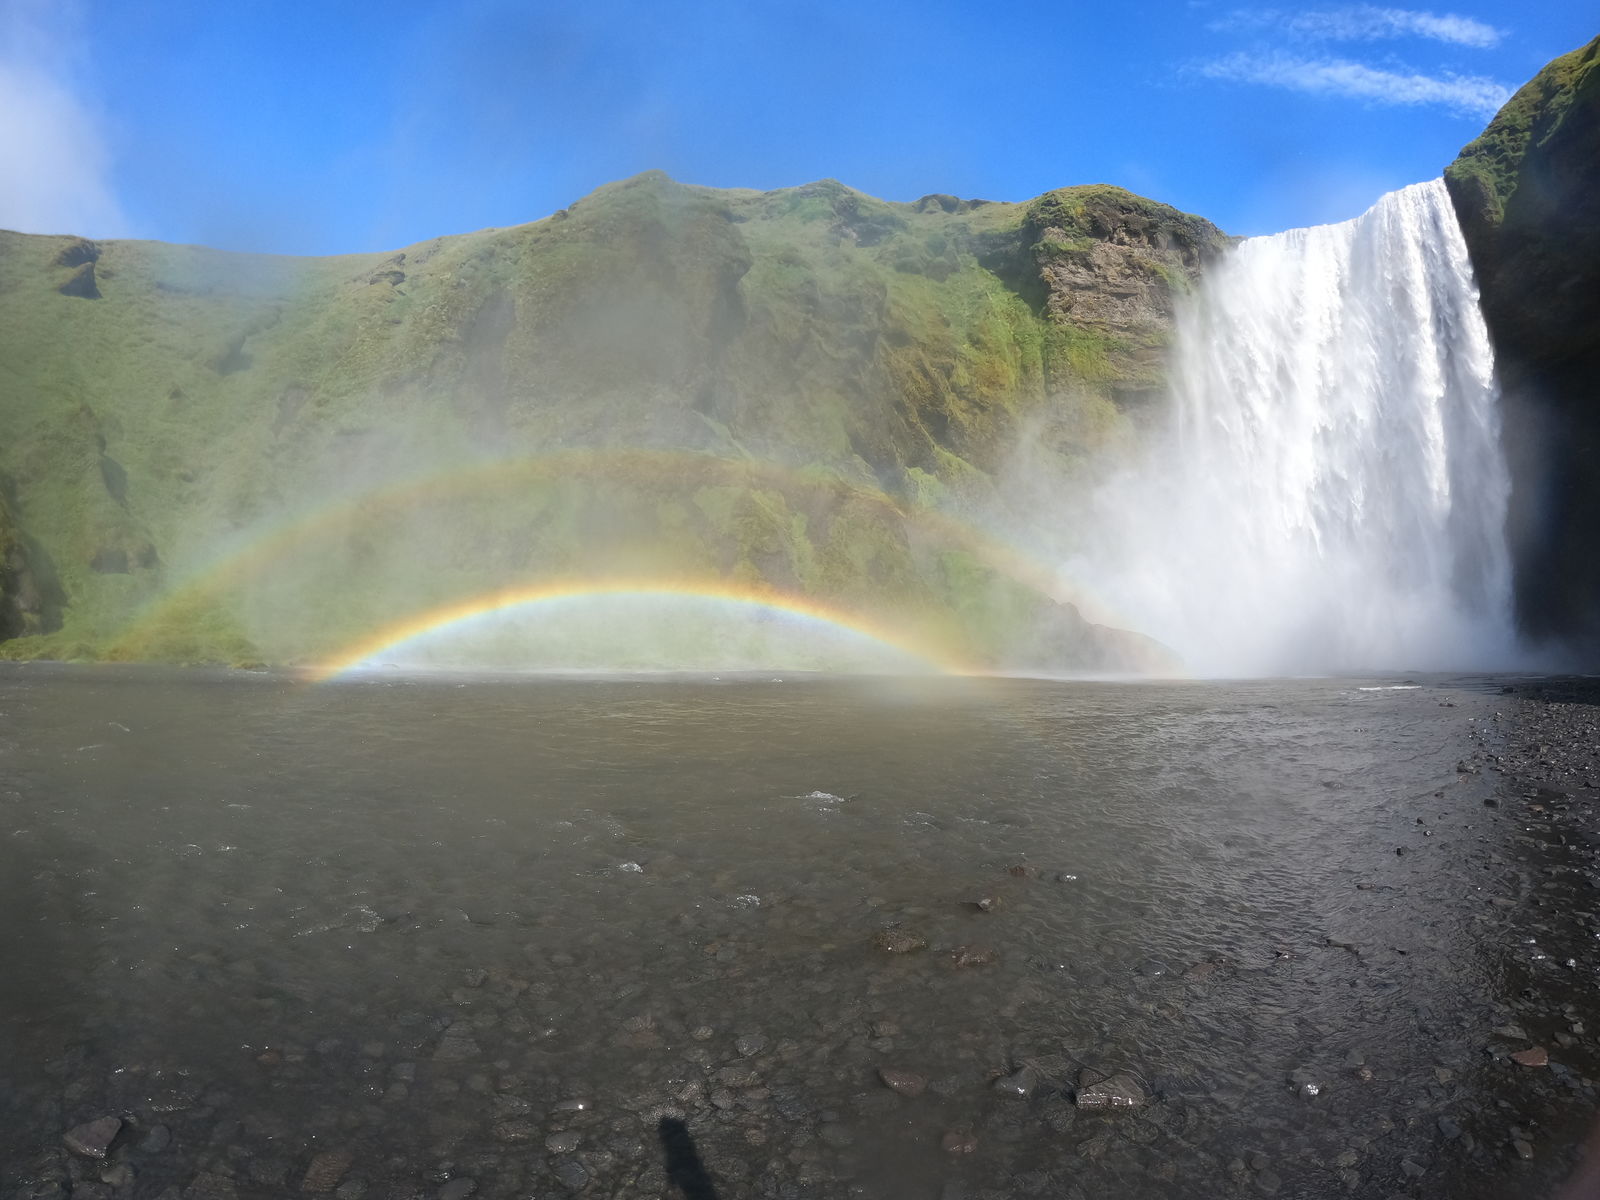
1528, 196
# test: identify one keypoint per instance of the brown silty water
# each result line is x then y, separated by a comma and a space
808, 937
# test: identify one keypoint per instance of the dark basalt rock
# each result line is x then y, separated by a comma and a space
77, 252
1527, 193
81, 283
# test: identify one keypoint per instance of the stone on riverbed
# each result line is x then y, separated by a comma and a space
1019, 1083
1537, 1056
457, 1045
93, 1138
973, 956
899, 941
1099, 1092
326, 1170
516, 1131
155, 1140
907, 1083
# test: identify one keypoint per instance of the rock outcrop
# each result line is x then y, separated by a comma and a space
1528, 196
28, 600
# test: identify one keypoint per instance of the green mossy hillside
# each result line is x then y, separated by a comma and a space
818, 369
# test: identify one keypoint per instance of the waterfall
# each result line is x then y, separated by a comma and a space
1330, 492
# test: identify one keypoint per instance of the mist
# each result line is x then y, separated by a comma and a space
1329, 492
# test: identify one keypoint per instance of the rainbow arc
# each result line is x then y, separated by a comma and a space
438, 620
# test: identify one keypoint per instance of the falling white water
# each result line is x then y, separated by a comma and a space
1331, 493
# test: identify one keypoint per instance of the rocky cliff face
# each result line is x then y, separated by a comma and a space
1528, 196
231, 457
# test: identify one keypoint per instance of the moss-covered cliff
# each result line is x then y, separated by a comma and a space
1528, 196
233, 457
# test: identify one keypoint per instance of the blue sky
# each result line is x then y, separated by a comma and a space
331, 126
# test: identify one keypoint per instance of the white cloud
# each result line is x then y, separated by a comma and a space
1469, 95
1368, 23
55, 165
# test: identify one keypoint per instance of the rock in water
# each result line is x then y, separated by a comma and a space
973, 956
93, 1138
1538, 1056
899, 941
1019, 1083
907, 1083
1098, 1092
457, 1045
326, 1170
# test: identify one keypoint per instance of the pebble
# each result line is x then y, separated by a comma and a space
507, 1107
563, 1143
974, 956
1019, 1083
1524, 1149
1536, 1056
899, 941
457, 1045
326, 1170
956, 1142
156, 1139
572, 1174
1104, 1093
907, 1083
93, 1138
750, 1043
516, 1132
118, 1176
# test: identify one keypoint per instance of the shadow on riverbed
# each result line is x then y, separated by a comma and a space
684, 1168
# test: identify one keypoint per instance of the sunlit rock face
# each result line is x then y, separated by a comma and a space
1528, 195
1331, 493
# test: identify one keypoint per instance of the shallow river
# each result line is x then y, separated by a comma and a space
670, 937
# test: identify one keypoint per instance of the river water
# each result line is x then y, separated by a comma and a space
446, 936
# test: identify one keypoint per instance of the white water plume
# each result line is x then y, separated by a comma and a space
1331, 493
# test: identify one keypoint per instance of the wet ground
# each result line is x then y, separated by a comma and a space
812, 938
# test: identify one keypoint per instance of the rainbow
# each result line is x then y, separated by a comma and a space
264, 547
439, 619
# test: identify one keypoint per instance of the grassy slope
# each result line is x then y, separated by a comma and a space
864, 349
